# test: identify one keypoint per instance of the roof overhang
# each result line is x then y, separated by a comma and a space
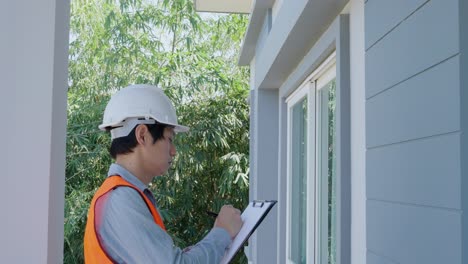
223, 6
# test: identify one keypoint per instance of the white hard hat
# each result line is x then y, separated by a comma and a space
138, 104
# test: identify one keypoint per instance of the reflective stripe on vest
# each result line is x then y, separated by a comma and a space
93, 251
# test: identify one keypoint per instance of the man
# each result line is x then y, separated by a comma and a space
124, 225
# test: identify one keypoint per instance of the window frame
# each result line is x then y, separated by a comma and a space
310, 90
321, 148
302, 92
334, 39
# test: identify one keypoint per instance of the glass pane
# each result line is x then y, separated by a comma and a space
298, 216
331, 173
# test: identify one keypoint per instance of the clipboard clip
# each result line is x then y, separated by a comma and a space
258, 203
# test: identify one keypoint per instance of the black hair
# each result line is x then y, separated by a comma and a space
125, 145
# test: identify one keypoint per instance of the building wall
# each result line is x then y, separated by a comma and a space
413, 131
33, 97
276, 7
463, 15
266, 27
268, 150
264, 185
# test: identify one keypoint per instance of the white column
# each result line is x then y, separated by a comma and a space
358, 137
33, 94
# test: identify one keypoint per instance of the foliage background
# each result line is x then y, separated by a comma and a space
193, 58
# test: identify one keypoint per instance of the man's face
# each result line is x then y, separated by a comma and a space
159, 156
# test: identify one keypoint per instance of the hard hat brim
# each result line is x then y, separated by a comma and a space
177, 128
181, 129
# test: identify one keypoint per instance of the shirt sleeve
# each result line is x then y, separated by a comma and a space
128, 234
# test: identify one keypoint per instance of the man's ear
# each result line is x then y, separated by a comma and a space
141, 134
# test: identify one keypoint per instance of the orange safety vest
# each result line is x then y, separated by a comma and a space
93, 251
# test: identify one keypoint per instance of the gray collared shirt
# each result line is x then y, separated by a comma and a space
128, 233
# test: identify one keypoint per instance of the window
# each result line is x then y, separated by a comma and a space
326, 170
311, 190
299, 184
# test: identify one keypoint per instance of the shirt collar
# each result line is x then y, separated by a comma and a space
116, 169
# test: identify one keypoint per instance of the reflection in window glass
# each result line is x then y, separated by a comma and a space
331, 87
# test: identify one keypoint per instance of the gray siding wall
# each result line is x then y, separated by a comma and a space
463, 14
414, 132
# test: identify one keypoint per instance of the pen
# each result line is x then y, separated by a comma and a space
212, 214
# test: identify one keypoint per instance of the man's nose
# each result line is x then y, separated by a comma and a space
173, 150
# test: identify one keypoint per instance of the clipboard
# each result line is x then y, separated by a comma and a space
252, 216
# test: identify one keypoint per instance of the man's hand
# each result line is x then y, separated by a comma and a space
229, 218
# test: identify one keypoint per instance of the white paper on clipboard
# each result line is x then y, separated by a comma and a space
252, 216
